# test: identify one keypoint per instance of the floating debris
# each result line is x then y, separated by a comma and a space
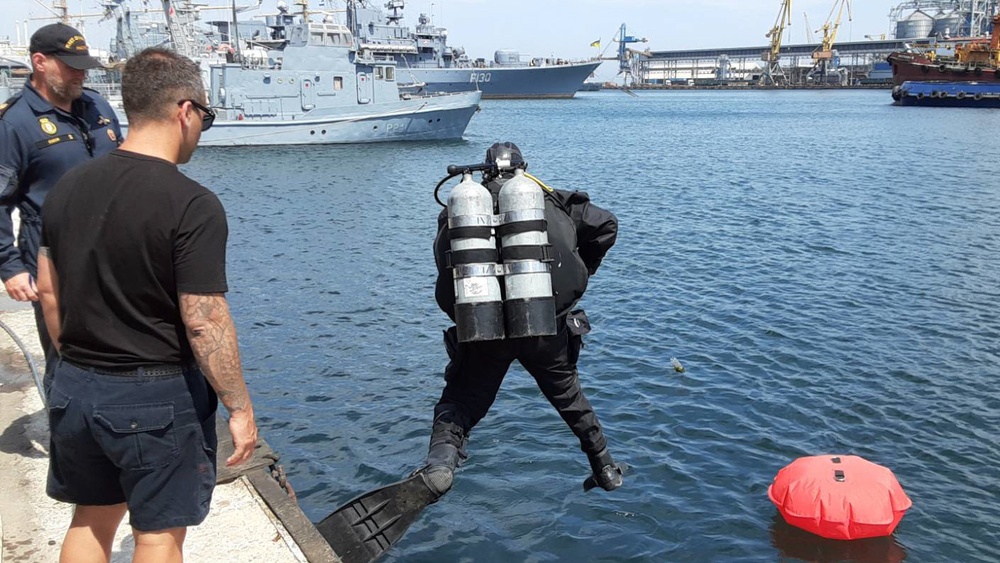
677, 365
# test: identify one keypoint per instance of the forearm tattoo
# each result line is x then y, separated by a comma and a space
212, 335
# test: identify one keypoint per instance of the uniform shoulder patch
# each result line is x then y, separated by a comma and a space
6, 105
47, 126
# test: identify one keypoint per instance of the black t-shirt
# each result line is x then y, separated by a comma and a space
127, 233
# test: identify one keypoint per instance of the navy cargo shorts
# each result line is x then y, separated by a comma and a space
145, 438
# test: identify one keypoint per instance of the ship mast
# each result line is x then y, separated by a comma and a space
179, 25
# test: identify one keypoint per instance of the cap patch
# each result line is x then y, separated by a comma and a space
71, 45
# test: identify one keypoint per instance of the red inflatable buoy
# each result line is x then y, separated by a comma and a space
839, 497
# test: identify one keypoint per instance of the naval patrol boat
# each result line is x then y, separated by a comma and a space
431, 65
306, 82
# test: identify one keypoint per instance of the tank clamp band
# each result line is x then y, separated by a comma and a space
462, 271
528, 252
522, 215
530, 267
453, 258
463, 221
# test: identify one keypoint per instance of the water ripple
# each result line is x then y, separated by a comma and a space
822, 263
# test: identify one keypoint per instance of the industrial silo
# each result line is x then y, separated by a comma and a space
916, 25
948, 23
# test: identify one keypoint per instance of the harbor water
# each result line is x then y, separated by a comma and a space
823, 265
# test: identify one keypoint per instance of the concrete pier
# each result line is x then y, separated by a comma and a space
252, 518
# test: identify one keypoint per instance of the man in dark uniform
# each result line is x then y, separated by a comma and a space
580, 234
53, 125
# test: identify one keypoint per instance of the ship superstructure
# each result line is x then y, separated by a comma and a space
425, 57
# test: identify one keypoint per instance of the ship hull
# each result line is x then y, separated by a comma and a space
913, 67
948, 94
550, 81
419, 119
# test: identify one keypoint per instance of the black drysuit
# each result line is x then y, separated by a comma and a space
580, 234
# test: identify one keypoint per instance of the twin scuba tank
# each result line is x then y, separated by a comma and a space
524, 306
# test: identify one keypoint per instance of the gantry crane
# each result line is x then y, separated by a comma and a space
823, 64
773, 75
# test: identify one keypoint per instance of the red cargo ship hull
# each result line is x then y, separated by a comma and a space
916, 67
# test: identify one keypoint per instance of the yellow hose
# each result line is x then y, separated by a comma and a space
540, 183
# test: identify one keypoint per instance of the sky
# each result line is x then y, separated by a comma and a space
565, 28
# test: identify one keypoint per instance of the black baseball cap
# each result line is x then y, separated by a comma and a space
64, 43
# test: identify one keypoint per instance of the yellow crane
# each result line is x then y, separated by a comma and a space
823, 68
773, 75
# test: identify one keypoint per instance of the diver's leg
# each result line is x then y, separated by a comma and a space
472, 381
551, 360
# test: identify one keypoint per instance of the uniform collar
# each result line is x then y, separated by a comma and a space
41, 105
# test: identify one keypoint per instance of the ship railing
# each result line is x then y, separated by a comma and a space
365, 56
107, 90
14, 84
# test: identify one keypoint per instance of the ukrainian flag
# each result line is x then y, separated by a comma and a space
596, 44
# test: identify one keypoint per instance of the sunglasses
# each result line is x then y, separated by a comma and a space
207, 115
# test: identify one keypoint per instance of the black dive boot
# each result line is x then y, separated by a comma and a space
606, 473
444, 457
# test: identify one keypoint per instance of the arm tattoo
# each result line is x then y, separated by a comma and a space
212, 335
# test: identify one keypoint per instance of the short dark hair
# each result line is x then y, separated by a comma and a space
155, 80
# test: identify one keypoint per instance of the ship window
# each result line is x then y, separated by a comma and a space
317, 38
378, 73
334, 38
390, 73
338, 82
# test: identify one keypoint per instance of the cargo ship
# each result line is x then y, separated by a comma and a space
974, 60
424, 57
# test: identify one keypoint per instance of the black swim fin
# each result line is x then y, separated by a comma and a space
366, 527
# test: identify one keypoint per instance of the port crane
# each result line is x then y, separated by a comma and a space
773, 75
625, 53
809, 30
824, 66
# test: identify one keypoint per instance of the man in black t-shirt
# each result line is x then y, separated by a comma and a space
132, 280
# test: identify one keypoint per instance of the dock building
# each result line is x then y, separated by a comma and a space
914, 24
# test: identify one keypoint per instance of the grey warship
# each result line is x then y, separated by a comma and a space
426, 59
308, 83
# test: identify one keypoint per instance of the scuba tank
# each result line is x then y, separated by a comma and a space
529, 306
474, 261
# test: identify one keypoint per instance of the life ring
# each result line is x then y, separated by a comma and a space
942, 68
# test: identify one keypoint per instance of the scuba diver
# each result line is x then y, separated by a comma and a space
544, 244
579, 234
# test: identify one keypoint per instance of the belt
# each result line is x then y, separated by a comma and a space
152, 370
